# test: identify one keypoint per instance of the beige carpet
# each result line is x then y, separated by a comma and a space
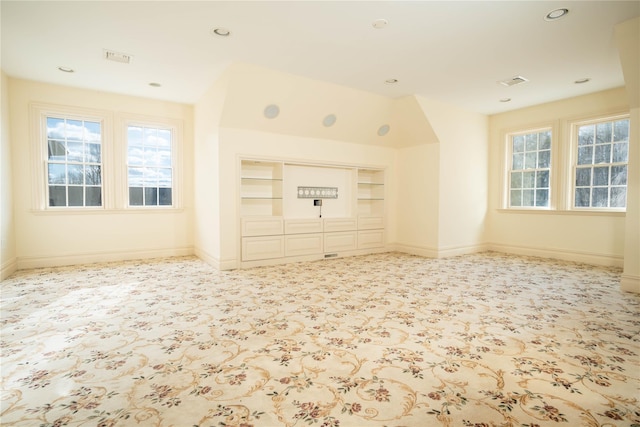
380, 340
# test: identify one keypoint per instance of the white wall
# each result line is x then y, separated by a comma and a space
628, 43
463, 176
207, 115
315, 176
7, 231
418, 194
593, 238
58, 238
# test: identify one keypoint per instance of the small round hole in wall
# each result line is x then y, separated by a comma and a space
383, 130
329, 120
271, 111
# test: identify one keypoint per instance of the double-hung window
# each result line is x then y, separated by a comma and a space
73, 161
600, 168
150, 159
529, 174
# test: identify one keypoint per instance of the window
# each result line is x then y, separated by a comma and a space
149, 165
530, 169
601, 164
73, 162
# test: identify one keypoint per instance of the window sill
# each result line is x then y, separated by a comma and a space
562, 212
100, 211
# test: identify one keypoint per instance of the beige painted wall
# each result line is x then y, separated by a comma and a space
417, 191
7, 230
628, 42
594, 238
58, 238
463, 175
207, 115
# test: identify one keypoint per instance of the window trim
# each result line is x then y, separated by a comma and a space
507, 155
572, 162
175, 126
39, 157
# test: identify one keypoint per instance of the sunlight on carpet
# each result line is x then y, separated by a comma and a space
378, 340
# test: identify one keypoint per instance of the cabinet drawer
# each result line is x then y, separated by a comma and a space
340, 224
303, 244
344, 241
370, 222
370, 239
266, 247
261, 226
300, 226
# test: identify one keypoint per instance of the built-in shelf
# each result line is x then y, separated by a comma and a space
278, 226
260, 188
371, 192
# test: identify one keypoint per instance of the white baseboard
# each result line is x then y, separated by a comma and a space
229, 264
444, 252
422, 251
630, 283
207, 257
450, 251
554, 253
8, 268
93, 257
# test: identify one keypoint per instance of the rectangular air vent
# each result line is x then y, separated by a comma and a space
513, 81
110, 55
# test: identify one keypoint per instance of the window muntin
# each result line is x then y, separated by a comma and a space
150, 174
74, 162
600, 173
530, 169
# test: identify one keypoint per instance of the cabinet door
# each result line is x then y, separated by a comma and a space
266, 247
370, 222
344, 241
300, 226
303, 244
370, 239
261, 226
340, 224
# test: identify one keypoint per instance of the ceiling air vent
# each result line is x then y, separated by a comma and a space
117, 56
513, 81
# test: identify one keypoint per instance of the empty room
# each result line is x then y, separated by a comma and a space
331, 213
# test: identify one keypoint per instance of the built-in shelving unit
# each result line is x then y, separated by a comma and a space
277, 228
260, 188
371, 192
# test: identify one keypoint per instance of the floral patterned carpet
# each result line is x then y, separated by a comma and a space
379, 340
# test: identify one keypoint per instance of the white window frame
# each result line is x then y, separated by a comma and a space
507, 165
176, 129
39, 154
573, 161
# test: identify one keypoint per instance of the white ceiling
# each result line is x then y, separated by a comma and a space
452, 51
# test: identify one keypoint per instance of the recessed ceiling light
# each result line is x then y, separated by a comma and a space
391, 81
556, 14
505, 100
66, 69
222, 32
379, 24
580, 81
153, 84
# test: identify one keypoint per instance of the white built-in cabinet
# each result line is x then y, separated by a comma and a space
275, 229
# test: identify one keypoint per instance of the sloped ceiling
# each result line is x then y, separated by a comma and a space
304, 103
